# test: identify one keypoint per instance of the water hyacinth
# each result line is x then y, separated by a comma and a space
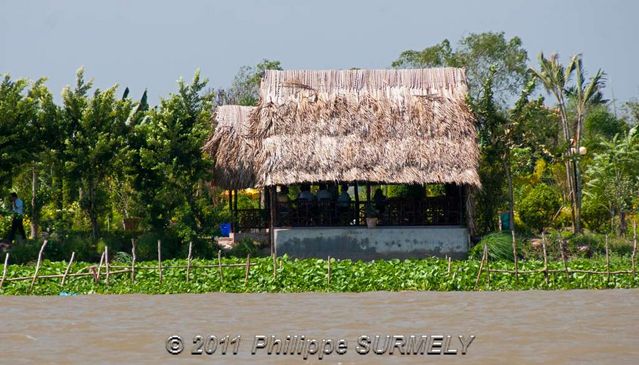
312, 275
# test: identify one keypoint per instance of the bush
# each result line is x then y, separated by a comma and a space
539, 206
595, 216
147, 245
500, 247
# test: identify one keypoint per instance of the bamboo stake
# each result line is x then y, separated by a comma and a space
160, 260
132, 259
607, 261
481, 265
512, 231
188, 262
35, 274
634, 248
543, 245
488, 266
328, 278
66, 272
563, 257
219, 265
274, 265
106, 261
97, 276
449, 262
248, 268
4, 269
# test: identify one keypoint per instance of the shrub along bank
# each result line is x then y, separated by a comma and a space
312, 275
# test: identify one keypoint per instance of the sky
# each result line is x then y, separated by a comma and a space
150, 44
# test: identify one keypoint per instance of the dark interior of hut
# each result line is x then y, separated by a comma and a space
350, 204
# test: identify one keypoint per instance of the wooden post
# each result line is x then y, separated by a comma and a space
66, 272
133, 259
160, 259
449, 262
512, 232
106, 261
328, 278
634, 249
274, 266
488, 266
272, 213
35, 274
481, 265
543, 245
607, 262
97, 276
4, 269
248, 268
188, 262
219, 265
563, 257
368, 192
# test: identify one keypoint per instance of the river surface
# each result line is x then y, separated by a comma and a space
530, 327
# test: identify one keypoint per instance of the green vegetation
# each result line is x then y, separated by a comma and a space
312, 275
553, 151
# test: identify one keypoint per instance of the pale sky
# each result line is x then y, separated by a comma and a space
151, 43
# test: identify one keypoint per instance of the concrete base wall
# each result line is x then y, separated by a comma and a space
372, 243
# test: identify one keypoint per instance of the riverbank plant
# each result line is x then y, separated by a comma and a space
311, 275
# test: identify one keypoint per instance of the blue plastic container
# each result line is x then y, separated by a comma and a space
225, 229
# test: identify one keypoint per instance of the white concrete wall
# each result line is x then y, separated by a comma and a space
372, 243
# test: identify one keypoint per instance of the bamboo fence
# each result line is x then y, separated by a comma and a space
484, 267
96, 271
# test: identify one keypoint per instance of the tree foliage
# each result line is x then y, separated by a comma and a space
477, 53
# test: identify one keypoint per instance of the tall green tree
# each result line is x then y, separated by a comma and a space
15, 112
97, 135
246, 84
613, 175
170, 165
556, 78
477, 53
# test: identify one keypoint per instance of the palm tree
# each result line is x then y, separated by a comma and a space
555, 78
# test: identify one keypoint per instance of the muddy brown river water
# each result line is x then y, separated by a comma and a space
531, 327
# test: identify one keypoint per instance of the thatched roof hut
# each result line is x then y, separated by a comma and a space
232, 148
386, 126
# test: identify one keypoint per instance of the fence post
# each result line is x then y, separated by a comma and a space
188, 263
543, 245
328, 278
634, 249
274, 265
488, 265
66, 272
133, 259
607, 262
563, 257
512, 231
219, 265
4, 269
97, 276
481, 265
35, 274
106, 263
248, 268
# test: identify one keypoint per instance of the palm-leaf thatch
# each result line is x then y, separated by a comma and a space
232, 149
387, 126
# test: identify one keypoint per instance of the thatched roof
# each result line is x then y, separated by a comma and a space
232, 149
387, 126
